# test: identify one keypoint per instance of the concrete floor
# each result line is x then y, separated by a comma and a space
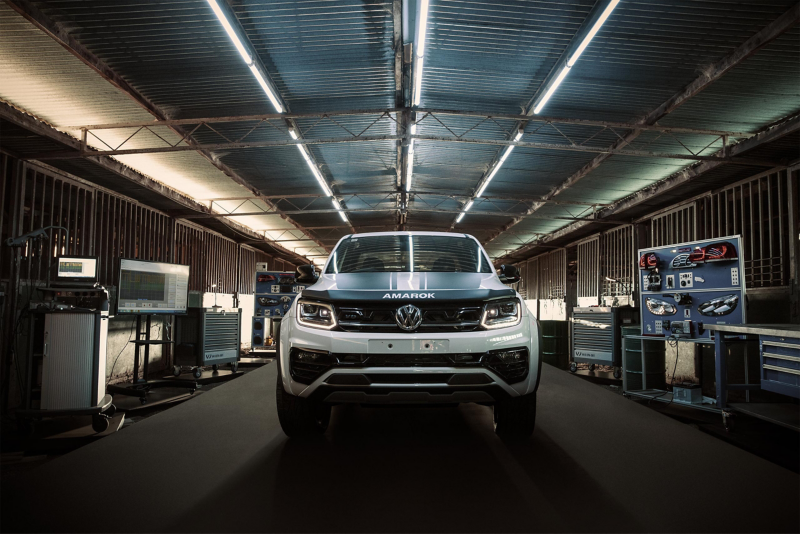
597, 462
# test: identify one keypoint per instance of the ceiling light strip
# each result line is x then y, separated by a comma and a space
422, 28
574, 58
255, 68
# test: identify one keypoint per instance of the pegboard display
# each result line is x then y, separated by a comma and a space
690, 285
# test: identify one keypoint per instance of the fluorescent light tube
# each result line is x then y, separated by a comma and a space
469, 205
553, 87
230, 31
414, 129
519, 135
265, 86
418, 80
460, 216
505, 155
488, 179
293, 134
409, 171
422, 27
343, 216
589, 36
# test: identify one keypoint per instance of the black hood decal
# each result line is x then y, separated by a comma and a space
396, 281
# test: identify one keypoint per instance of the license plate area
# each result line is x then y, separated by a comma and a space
408, 346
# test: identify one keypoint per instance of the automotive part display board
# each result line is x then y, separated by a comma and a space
275, 292
687, 286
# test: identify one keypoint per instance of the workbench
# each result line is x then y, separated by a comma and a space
779, 369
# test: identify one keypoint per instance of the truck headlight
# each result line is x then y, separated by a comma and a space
501, 314
316, 314
660, 307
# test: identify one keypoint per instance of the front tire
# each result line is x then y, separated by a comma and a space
515, 418
300, 417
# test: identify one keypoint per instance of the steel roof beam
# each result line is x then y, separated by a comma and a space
36, 127
413, 193
787, 127
420, 112
603, 151
63, 37
752, 45
390, 210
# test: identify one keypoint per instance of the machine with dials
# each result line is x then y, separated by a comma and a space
687, 286
69, 329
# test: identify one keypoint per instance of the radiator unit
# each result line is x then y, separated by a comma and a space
74, 360
596, 335
208, 336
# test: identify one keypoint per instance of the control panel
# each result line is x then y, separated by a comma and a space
690, 285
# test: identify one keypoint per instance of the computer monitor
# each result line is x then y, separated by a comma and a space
149, 287
76, 270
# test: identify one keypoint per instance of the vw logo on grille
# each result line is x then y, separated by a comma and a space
408, 317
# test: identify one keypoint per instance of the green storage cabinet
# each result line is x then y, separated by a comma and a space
555, 343
654, 357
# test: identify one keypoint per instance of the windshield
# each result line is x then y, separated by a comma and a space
409, 253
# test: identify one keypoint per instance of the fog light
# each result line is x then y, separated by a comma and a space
510, 364
511, 356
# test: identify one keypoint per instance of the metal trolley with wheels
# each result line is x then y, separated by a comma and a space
207, 337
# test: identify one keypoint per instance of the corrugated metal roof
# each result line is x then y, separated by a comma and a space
481, 55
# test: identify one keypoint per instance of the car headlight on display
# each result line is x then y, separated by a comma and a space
719, 306
660, 307
501, 314
316, 314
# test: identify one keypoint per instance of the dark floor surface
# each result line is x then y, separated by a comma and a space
597, 462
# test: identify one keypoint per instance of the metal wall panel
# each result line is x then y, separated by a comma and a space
617, 262
589, 272
758, 210
125, 229
675, 226
553, 275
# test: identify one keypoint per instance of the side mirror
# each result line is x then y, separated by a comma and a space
306, 274
508, 274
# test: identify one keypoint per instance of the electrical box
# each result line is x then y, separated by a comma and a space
690, 285
687, 393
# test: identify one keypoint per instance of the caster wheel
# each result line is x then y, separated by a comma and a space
176, 370
99, 423
197, 372
110, 411
142, 400
573, 367
234, 366
591, 367
617, 373
215, 367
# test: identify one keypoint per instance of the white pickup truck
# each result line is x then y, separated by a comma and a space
408, 318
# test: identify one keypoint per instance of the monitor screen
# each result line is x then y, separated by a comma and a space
76, 269
152, 287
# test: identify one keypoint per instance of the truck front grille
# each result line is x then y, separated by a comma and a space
435, 318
